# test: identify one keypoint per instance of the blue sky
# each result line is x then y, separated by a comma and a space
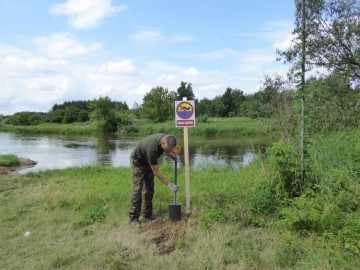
66, 50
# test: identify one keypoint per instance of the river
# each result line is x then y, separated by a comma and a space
63, 151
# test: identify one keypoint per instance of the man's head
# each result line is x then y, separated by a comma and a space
168, 143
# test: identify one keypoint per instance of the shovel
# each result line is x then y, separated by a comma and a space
175, 209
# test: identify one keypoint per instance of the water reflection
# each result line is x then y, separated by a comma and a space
61, 151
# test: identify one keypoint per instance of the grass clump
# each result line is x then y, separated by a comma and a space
9, 160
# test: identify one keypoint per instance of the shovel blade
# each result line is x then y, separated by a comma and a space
175, 212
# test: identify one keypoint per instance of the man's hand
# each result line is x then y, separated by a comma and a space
174, 188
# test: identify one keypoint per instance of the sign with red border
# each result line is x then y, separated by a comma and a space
185, 113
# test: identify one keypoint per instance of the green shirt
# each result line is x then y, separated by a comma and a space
148, 150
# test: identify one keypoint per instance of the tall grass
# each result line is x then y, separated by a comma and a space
50, 128
237, 126
240, 126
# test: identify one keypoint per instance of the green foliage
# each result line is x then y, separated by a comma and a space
158, 105
332, 104
332, 37
232, 99
279, 99
211, 216
328, 205
80, 212
93, 211
185, 90
9, 160
284, 163
54, 128
350, 232
26, 118
303, 215
204, 118
103, 114
290, 252
72, 114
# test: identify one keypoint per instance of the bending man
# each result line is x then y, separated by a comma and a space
144, 165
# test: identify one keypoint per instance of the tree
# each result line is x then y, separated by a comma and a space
278, 104
158, 104
332, 104
26, 118
203, 107
332, 37
185, 90
103, 114
232, 98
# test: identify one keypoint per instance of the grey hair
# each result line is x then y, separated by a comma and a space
170, 140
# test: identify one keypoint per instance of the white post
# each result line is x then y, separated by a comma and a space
187, 168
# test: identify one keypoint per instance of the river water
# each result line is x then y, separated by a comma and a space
63, 151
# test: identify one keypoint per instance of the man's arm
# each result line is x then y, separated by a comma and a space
174, 188
156, 172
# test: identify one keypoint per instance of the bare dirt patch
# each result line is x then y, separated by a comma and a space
24, 163
164, 233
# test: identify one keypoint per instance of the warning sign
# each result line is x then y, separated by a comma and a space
185, 113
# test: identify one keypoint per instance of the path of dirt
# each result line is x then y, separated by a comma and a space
24, 163
164, 232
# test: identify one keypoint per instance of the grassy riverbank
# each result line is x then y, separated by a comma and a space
211, 127
77, 218
256, 217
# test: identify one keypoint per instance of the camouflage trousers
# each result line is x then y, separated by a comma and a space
143, 191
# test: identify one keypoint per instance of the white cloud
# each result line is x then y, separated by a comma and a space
125, 67
190, 72
223, 53
65, 73
155, 36
181, 38
64, 45
284, 43
147, 35
84, 14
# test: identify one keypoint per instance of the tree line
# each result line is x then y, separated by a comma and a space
333, 102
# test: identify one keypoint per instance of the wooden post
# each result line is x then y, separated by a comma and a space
187, 169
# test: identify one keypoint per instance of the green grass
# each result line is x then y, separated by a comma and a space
50, 128
9, 160
78, 217
78, 220
237, 126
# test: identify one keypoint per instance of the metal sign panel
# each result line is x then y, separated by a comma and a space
185, 113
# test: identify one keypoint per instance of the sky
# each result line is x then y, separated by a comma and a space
52, 51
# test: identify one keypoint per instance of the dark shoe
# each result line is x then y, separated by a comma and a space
134, 223
149, 219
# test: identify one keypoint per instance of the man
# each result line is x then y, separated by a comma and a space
144, 165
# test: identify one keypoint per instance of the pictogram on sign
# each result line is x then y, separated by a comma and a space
185, 113
184, 110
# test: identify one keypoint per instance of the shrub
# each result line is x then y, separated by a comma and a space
284, 171
204, 118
